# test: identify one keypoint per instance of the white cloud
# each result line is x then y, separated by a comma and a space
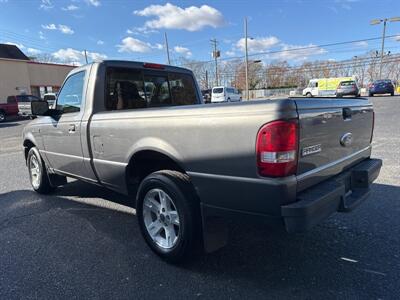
361, 44
41, 35
230, 53
298, 53
130, 44
50, 27
257, 44
191, 18
20, 46
3, 1
46, 4
100, 42
183, 50
65, 29
158, 46
33, 51
74, 56
70, 7
141, 31
94, 3
62, 28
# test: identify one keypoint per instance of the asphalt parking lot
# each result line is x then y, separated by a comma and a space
84, 242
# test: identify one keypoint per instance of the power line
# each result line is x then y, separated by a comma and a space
300, 48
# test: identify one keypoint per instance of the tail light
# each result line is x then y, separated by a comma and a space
153, 66
277, 149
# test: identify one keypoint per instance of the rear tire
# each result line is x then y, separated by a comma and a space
309, 95
392, 94
38, 173
169, 215
370, 95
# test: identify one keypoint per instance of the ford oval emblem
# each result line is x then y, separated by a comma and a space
346, 139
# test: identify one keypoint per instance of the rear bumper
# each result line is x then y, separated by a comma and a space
341, 193
347, 92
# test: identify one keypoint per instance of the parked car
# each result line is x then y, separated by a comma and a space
9, 108
190, 167
24, 103
384, 86
50, 98
225, 94
348, 88
206, 95
320, 87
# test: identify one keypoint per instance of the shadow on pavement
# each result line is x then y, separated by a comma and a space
8, 124
53, 245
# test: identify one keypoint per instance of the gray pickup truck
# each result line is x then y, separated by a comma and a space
141, 129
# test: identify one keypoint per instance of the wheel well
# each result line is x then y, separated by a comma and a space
146, 162
27, 146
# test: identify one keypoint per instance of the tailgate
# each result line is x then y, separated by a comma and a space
334, 135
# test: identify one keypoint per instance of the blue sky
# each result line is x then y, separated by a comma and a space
135, 29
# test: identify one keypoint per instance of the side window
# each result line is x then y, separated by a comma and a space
70, 98
316, 84
157, 90
183, 90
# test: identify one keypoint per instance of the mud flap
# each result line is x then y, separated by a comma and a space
215, 230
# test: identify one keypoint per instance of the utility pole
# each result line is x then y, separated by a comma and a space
167, 48
215, 54
206, 80
86, 56
384, 21
246, 59
383, 47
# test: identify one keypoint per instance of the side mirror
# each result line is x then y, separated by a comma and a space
39, 108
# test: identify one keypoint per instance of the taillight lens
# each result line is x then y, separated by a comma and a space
277, 148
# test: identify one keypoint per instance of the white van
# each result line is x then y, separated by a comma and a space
225, 94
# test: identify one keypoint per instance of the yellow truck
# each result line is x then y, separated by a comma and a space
324, 86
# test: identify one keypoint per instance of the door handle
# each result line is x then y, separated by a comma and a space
71, 128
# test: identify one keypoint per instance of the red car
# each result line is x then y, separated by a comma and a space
10, 108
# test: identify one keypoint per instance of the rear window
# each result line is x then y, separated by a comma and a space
133, 89
347, 83
383, 81
218, 90
230, 90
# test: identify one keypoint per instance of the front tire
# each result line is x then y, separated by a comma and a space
38, 173
168, 214
309, 95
